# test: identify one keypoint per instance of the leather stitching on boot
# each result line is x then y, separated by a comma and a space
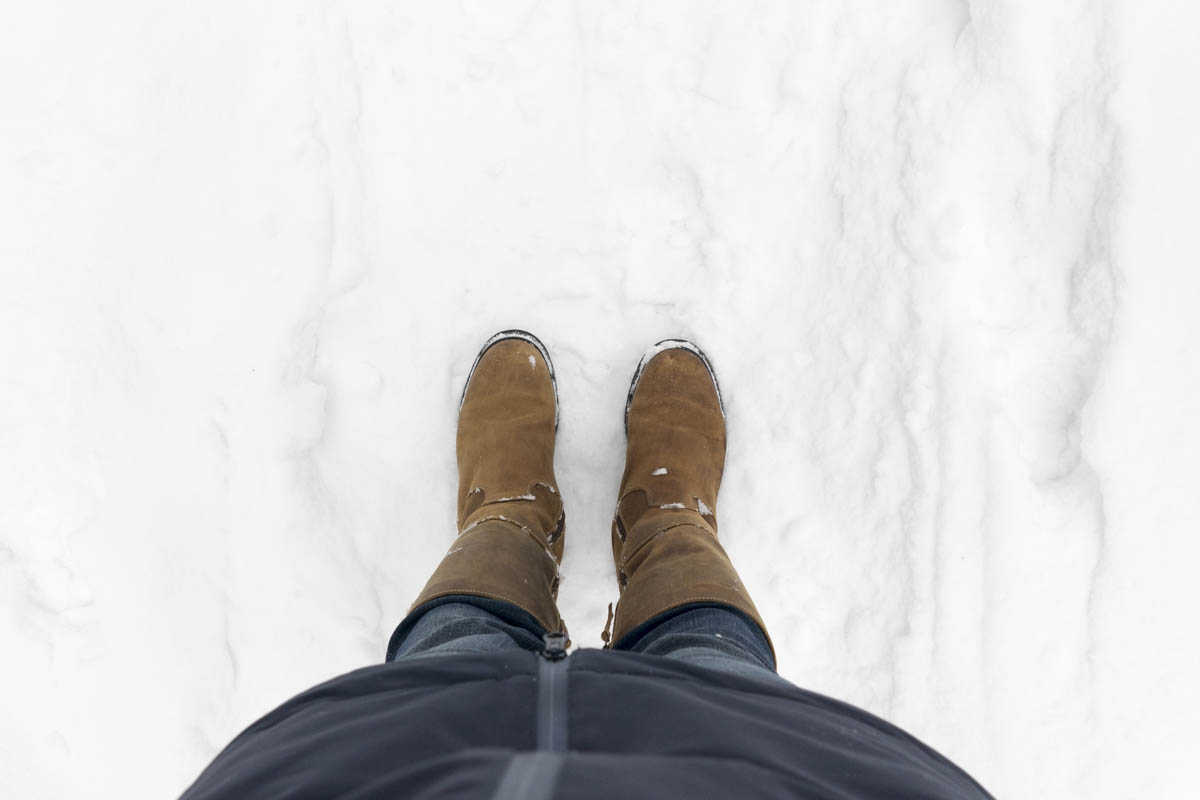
700, 507
626, 557
469, 509
541, 542
531, 496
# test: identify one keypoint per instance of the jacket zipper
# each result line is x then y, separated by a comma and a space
552, 694
534, 775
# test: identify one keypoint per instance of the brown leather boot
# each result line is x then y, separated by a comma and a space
510, 514
664, 533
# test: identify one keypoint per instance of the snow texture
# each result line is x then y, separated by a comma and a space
939, 253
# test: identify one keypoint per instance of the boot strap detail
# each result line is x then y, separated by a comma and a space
537, 537
606, 634
668, 496
478, 497
646, 538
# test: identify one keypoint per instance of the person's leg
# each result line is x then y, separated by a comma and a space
459, 624
716, 637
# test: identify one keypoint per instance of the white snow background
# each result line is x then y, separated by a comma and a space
941, 253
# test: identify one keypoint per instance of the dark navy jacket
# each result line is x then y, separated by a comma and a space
596, 724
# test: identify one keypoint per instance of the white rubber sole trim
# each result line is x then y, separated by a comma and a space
659, 347
525, 336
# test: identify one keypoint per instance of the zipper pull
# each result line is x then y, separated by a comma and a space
554, 646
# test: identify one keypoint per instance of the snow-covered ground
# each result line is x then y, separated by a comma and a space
941, 253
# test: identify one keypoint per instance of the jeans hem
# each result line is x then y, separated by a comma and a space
512, 614
630, 640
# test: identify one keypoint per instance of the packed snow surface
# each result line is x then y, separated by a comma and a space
941, 255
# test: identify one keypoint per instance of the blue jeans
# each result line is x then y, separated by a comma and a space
710, 636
